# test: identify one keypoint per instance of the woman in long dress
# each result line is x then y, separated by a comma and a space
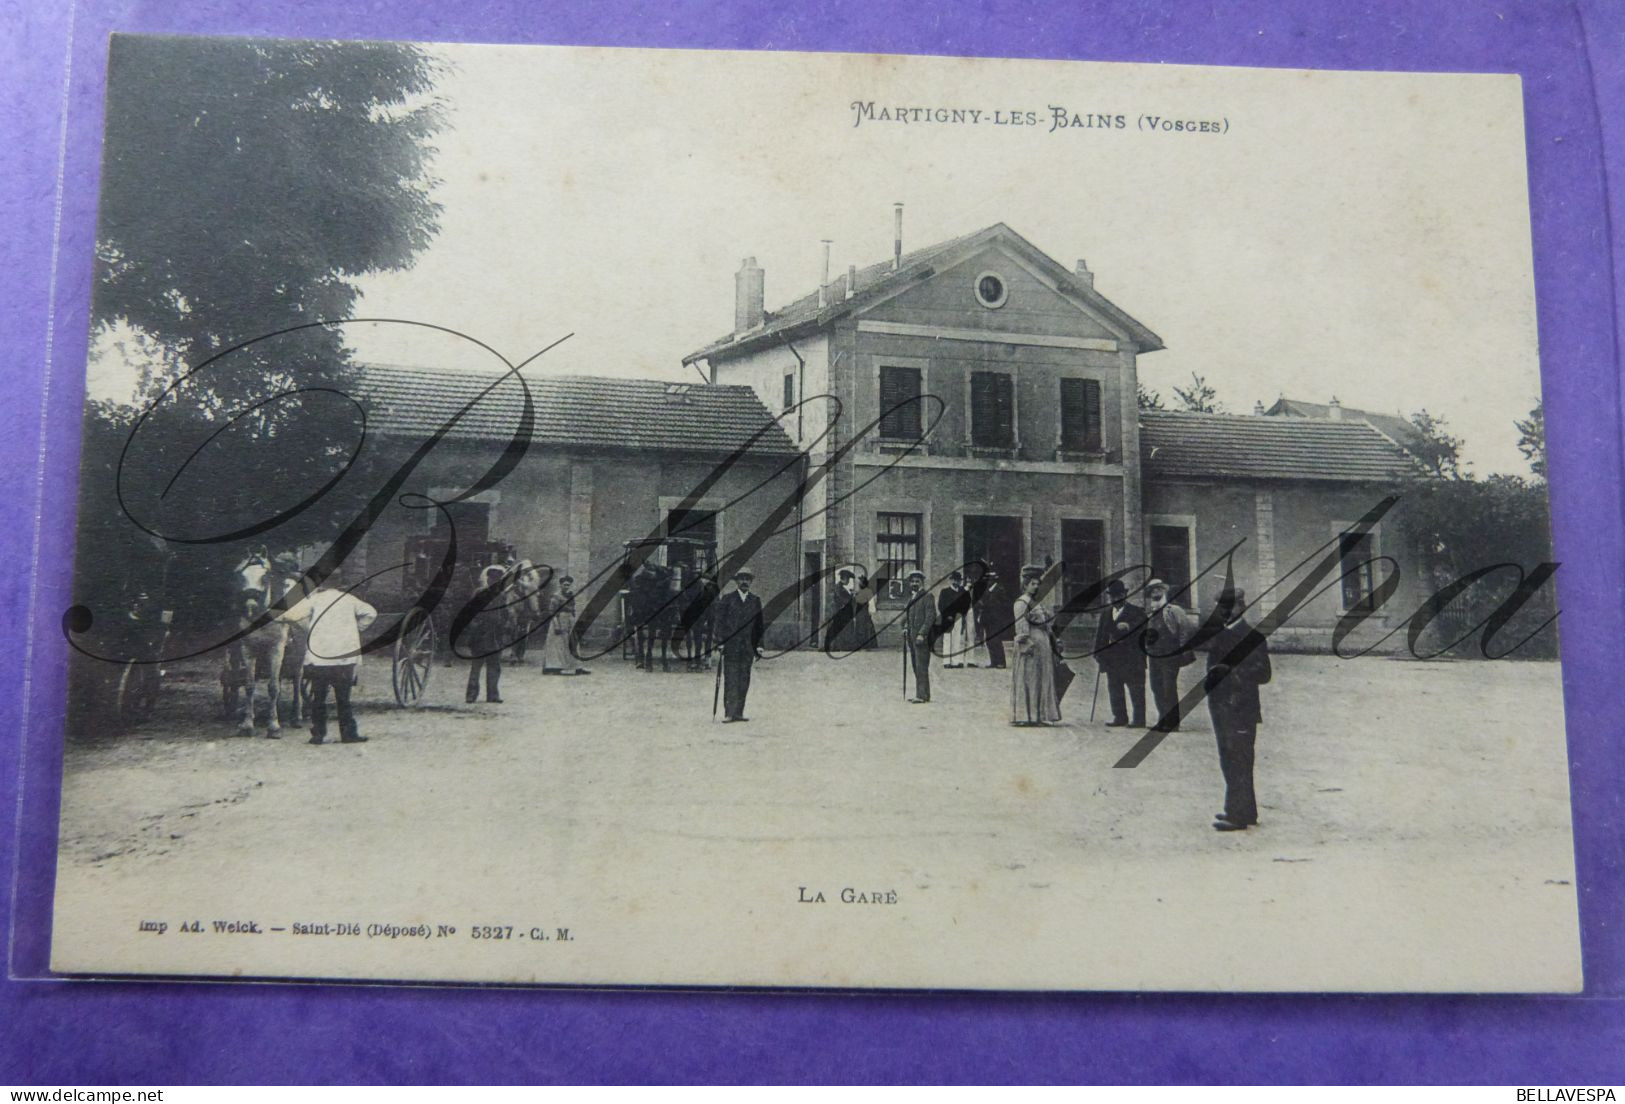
1032, 668
558, 612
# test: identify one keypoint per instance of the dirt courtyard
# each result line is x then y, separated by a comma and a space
1415, 836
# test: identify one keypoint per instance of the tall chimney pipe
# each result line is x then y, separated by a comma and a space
897, 237
823, 283
851, 280
748, 297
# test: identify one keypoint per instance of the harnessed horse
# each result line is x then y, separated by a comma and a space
272, 653
652, 610
527, 586
696, 604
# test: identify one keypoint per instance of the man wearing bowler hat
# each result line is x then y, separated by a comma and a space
1166, 631
739, 629
1121, 657
919, 631
1238, 663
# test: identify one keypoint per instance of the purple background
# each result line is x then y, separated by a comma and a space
1572, 58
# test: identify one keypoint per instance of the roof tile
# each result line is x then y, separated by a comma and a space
575, 411
1179, 444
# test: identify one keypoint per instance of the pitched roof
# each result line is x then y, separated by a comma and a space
879, 280
1396, 428
573, 411
1179, 444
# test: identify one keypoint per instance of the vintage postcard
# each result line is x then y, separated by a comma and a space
642, 517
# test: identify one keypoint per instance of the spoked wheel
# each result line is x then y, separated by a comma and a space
414, 657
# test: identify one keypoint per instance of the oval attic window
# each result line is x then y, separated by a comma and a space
990, 290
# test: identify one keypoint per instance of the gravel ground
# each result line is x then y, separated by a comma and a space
1415, 836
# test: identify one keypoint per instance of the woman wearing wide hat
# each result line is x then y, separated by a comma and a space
1033, 700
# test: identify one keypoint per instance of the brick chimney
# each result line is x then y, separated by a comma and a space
897, 237
823, 282
748, 289
1258, 407
1334, 410
1082, 274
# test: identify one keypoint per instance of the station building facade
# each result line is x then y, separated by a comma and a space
977, 400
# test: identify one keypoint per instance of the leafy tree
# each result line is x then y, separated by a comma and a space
1147, 398
1464, 524
1198, 397
1437, 450
1532, 438
246, 185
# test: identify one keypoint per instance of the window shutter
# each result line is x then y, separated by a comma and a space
1091, 416
900, 386
1080, 415
992, 410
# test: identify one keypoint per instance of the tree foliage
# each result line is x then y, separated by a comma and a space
1532, 438
247, 184
1147, 399
1198, 396
1462, 524
1437, 449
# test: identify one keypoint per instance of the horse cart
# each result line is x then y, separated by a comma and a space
422, 631
133, 684
668, 601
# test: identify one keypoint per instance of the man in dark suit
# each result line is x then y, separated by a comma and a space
739, 630
994, 614
919, 630
841, 633
1121, 659
1238, 663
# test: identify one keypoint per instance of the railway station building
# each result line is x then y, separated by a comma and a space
992, 392
609, 461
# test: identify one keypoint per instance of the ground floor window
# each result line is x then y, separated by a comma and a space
1171, 555
1083, 559
469, 522
897, 550
691, 539
1358, 554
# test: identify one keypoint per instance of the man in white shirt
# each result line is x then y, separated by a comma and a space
333, 620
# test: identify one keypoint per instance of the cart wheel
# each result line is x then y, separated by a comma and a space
414, 657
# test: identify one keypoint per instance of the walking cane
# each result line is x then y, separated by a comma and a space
716, 691
907, 646
1096, 699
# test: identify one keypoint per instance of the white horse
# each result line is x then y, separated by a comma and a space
262, 656
526, 586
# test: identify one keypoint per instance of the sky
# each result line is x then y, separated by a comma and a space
1356, 235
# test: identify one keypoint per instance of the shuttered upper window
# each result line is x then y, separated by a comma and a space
1080, 415
900, 403
992, 410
